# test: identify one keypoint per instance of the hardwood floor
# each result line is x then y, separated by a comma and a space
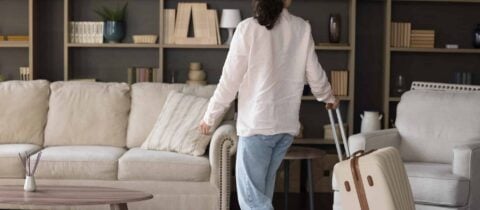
297, 201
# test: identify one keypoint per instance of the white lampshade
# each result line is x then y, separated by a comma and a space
230, 18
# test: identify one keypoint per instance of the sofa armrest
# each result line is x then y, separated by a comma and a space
374, 140
222, 147
465, 163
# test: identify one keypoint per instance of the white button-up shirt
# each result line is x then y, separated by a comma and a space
268, 69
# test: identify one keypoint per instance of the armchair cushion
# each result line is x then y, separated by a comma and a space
465, 163
431, 123
435, 184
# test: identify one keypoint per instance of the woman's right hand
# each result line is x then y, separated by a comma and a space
333, 105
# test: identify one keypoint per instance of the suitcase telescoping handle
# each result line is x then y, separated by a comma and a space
342, 133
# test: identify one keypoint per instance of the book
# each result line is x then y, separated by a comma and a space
144, 74
86, 32
339, 82
25, 73
169, 26
18, 38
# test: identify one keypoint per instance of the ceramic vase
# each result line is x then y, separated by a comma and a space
371, 121
334, 25
476, 37
197, 75
30, 185
114, 31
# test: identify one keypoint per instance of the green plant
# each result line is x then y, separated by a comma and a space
117, 14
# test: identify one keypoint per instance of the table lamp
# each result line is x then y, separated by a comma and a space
230, 19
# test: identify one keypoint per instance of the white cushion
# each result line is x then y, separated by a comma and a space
88, 114
140, 164
147, 103
11, 166
176, 129
23, 111
431, 123
436, 185
79, 162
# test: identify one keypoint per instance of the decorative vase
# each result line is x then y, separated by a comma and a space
30, 185
476, 38
197, 75
400, 85
114, 31
334, 25
371, 121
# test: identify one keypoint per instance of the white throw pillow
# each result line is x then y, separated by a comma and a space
176, 129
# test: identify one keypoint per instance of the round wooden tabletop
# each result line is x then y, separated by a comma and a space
69, 196
304, 153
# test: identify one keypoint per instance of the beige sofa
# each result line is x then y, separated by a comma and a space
90, 134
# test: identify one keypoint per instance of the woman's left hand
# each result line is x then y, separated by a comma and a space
204, 128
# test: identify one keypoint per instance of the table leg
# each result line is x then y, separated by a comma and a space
286, 182
310, 184
119, 206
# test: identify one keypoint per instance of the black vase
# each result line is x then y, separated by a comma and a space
334, 25
476, 37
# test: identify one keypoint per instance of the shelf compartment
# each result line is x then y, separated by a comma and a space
115, 45
330, 46
14, 44
312, 141
312, 98
435, 50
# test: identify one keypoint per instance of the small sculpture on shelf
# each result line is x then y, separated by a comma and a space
196, 76
476, 37
334, 25
114, 30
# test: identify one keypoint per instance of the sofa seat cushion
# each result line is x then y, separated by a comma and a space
10, 162
435, 184
79, 162
140, 164
23, 111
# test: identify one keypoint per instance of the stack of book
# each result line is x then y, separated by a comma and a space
205, 24
423, 39
25, 74
400, 34
144, 74
86, 32
340, 83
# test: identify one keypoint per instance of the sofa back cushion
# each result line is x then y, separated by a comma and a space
23, 111
431, 123
147, 103
88, 113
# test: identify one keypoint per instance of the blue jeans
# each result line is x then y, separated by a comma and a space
258, 159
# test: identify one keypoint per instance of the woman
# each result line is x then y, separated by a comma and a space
269, 59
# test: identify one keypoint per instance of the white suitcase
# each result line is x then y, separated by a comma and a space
374, 181
370, 181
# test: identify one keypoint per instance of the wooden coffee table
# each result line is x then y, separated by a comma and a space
71, 196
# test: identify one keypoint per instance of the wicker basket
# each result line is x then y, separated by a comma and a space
145, 39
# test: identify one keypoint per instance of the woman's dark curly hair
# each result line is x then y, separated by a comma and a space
267, 12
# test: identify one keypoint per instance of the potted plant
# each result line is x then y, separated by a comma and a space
114, 28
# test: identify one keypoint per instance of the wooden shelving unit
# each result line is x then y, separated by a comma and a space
389, 101
30, 44
119, 45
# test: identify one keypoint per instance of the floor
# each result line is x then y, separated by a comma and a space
297, 201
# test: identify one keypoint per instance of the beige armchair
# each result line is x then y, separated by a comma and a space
438, 135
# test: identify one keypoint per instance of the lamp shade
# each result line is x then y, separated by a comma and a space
230, 18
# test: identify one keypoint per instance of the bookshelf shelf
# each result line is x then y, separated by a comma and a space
329, 46
445, 1
119, 45
435, 50
394, 99
312, 98
14, 44
177, 46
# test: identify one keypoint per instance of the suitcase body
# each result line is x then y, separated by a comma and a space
374, 181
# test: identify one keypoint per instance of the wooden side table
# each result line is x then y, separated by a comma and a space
304, 154
71, 196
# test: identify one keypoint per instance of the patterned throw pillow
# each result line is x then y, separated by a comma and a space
176, 129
